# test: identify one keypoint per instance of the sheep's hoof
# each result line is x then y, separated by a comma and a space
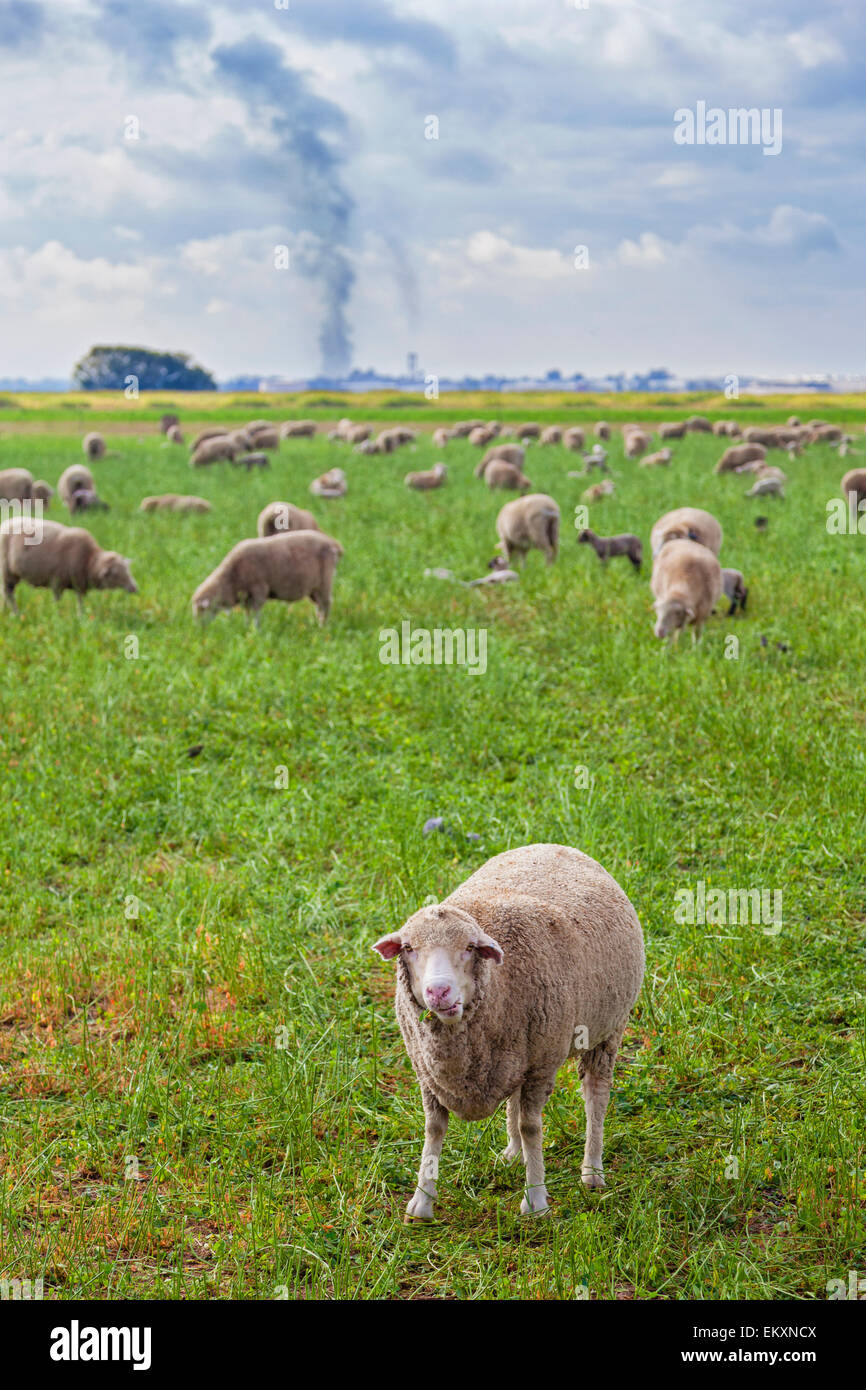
510, 1154
527, 1210
592, 1179
419, 1209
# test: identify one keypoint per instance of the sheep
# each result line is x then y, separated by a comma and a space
597, 458
357, 434
264, 437
423, 482
94, 446
738, 455
241, 440
73, 481
676, 430
661, 459
794, 420
770, 470
574, 439
174, 435
253, 460
441, 437
551, 434
174, 502
167, 423
509, 453
385, 442
686, 584
636, 443
481, 436
537, 957
278, 517
500, 474
699, 424
827, 434
530, 431
330, 484
58, 557
298, 429
687, 523
213, 450
494, 427
42, 492
464, 428
771, 438
291, 566
499, 574
606, 547
726, 428
203, 436
598, 491
767, 487
86, 500
602, 430
16, 485
854, 486
735, 591
527, 522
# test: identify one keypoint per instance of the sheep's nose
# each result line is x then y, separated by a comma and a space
438, 996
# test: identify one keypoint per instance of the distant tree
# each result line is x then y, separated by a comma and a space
109, 369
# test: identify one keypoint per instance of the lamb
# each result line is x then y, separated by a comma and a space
510, 453
94, 446
527, 522
606, 547
213, 451
167, 423
602, 430
767, 487
734, 589
687, 523
574, 439
551, 434
686, 583
174, 502
676, 430
536, 958
636, 442
738, 455
500, 474
423, 482
296, 565
86, 500
251, 461
330, 484
75, 481
598, 491
661, 459
278, 517
58, 557
596, 458
298, 429
441, 437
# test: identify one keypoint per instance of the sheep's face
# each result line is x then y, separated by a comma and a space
114, 572
671, 616
205, 605
444, 952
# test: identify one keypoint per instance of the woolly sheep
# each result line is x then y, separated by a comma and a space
686, 584
607, 547
635, 443
602, 430
72, 481
330, 484
735, 591
292, 566
423, 482
551, 434
251, 461
174, 502
530, 431
598, 491
854, 485
174, 434
213, 450
675, 430
536, 958
481, 436
357, 434
168, 423
42, 492
699, 424
766, 487
526, 523
212, 432
511, 453
501, 474
687, 523
298, 429
574, 439
94, 446
738, 455
264, 437
279, 517
16, 485
661, 459
441, 437
58, 557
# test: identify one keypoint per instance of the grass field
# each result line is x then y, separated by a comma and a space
211, 1098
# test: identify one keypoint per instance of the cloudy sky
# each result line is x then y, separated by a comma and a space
308, 127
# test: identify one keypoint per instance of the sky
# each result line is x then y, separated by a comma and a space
431, 170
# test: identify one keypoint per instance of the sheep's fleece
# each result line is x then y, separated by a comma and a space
538, 956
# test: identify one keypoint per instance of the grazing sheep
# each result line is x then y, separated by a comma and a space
168, 423
854, 485
770, 438
526, 523
686, 583
174, 502
574, 439
598, 491
75, 480
16, 485
500, 474
597, 458
509, 453
738, 455
481, 436
386, 441
250, 461
661, 459
675, 430
264, 437
330, 484
636, 443
423, 482
241, 441
794, 421
464, 428
767, 487
699, 424
607, 547
602, 430
356, 434
292, 566
63, 557
536, 958
42, 492
279, 517
827, 434
735, 591
298, 429
212, 432
551, 434
495, 426
770, 470
174, 435
441, 437
86, 500
94, 446
213, 450
726, 428
687, 523
530, 431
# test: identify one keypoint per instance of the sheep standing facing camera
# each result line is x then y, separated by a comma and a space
686, 584
536, 958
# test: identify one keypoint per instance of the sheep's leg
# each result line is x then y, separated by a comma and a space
323, 606
435, 1124
533, 1095
9, 595
596, 1073
514, 1148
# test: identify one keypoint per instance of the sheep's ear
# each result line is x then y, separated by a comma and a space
488, 949
389, 946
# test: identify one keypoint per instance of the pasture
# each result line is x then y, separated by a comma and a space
203, 1091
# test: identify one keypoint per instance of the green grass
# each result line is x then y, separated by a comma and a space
237, 1037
